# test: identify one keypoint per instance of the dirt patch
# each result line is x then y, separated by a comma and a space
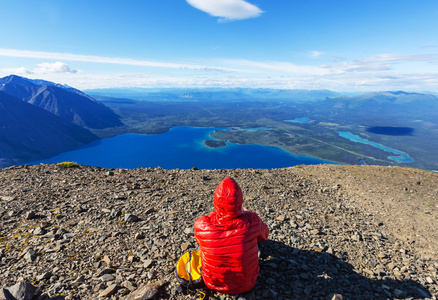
405, 200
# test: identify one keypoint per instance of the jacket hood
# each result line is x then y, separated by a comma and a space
228, 199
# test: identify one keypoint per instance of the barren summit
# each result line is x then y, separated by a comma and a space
365, 232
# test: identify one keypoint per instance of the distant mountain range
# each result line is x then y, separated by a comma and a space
63, 101
220, 94
28, 132
382, 106
39, 119
392, 97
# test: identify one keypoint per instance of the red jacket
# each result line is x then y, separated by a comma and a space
228, 240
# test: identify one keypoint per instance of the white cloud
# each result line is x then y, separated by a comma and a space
337, 58
275, 66
315, 54
43, 68
17, 71
399, 58
101, 59
354, 66
337, 81
228, 10
373, 73
57, 67
380, 62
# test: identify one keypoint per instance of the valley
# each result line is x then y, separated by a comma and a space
381, 128
319, 137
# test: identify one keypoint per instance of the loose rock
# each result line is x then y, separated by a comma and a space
85, 232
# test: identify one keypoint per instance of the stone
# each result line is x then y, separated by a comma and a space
293, 224
334, 297
247, 296
147, 291
273, 293
22, 290
39, 231
107, 260
105, 271
190, 231
107, 277
147, 263
280, 218
400, 294
356, 237
128, 284
152, 274
109, 291
138, 236
369, 272
184, 247
423, 293
68, 235
30, 215
7, 198
315, 231
131, 218
266, 294
114, 213
429, 280
79, 280
119, 196
308, 290
99, 287
45, 275
30, 255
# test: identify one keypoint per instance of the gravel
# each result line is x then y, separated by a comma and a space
335, 233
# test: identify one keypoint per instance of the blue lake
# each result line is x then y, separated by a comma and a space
303, 120
391, 130
402, 157
180, 147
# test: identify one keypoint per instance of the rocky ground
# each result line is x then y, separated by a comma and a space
351, 232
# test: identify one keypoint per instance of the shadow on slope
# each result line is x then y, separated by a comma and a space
303, 274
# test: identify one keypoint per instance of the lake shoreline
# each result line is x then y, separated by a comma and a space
181, 147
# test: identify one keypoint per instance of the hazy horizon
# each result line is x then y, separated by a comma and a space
344, 46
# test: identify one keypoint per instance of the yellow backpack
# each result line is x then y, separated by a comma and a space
189, 271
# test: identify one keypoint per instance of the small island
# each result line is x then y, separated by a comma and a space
214, 144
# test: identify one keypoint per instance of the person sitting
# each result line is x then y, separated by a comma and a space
228, 240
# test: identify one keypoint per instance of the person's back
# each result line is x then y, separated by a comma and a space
228, 240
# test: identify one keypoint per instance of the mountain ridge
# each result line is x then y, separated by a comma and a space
213, 93
65, 102
29, 132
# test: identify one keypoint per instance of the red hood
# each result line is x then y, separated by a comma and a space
228, 199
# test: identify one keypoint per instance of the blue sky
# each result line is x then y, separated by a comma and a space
355, 45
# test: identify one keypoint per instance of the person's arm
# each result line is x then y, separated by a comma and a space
264, 231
